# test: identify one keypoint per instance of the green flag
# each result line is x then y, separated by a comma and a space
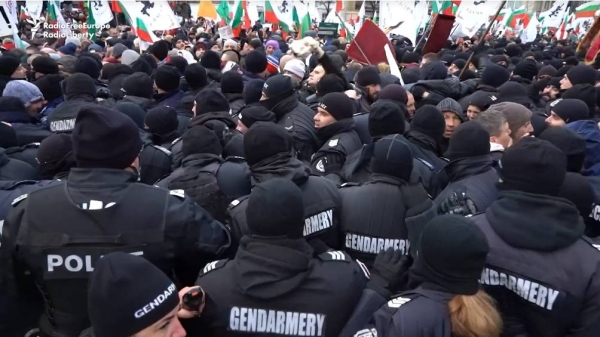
223, 11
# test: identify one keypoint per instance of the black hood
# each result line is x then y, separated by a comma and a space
424, 141
222, 116
285, 106
281, 165
534, 221
266, 269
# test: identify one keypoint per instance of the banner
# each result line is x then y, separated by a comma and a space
554, 16
591, 43
101, 11
34, 8
473, 14
158, 14
368, 45
439, 34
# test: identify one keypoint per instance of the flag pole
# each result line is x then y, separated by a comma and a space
429, 26
487, 30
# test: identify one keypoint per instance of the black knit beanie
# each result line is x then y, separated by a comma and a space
469, 139
88, 65
264, 140
127, 294
256, 62
526, 69
578, 190
276, 210
44, 65
392, 157
584, 92
276, 89
210, 100
211, 60
569, 142
533, 166
253, 91
494, 75
133, 111
167, 78
139, 84
394, 92
105, 138
429, 120
367, 76
79, 84
338, 105
249, 115
8, 65
330, 83
200, 139
232, 83
55, 155
161, 120
582, 74
196, 76
570, 110
159, 49
451, 254
386, 118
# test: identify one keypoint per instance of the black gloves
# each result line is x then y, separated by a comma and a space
457, 203
390, 270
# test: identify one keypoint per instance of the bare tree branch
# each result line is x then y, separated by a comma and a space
326, 5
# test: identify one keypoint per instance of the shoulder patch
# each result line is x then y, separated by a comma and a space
334, 142
364, 268
366, 333
320, 166
335, 255
349, 184
213, 266
178, 193
19, 199
397, 302
162, 149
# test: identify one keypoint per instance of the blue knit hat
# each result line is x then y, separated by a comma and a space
28, 93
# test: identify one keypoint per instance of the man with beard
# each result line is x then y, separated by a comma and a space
552, 90
368, 84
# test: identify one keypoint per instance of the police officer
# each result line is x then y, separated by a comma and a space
129, 296
574, 146
268, 149
543, 273
470, 169
59, 232
197, 176
336, 132
155, 159
274, 285
387, 211
447, 301
387, 118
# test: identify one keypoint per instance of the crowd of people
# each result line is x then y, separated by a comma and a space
269, 186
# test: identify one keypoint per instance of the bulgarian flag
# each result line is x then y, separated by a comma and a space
274, 16
238, 17
140, 27
115, 6
516, 15
301, 18
23, 14
223, 11
454, 9
441, 7
360, 19
561, 33
55, 17
587, 10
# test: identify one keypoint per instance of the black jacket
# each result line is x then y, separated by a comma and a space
28, 129
236, 103
384, 212
271, 286
416, 313
426, 149
544, 275
338, 141
297, 119
474, 176
357, 169
15, 170
62, 119
172, 232
322, 201
143, 102
27, 153
197, 178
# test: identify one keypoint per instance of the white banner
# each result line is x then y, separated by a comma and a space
473, 14
158, 13
554, 16
34, 8
102, 12
528, 34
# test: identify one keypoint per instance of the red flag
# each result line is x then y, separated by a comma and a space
115, 7
440, 31
338, 6
367, 46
